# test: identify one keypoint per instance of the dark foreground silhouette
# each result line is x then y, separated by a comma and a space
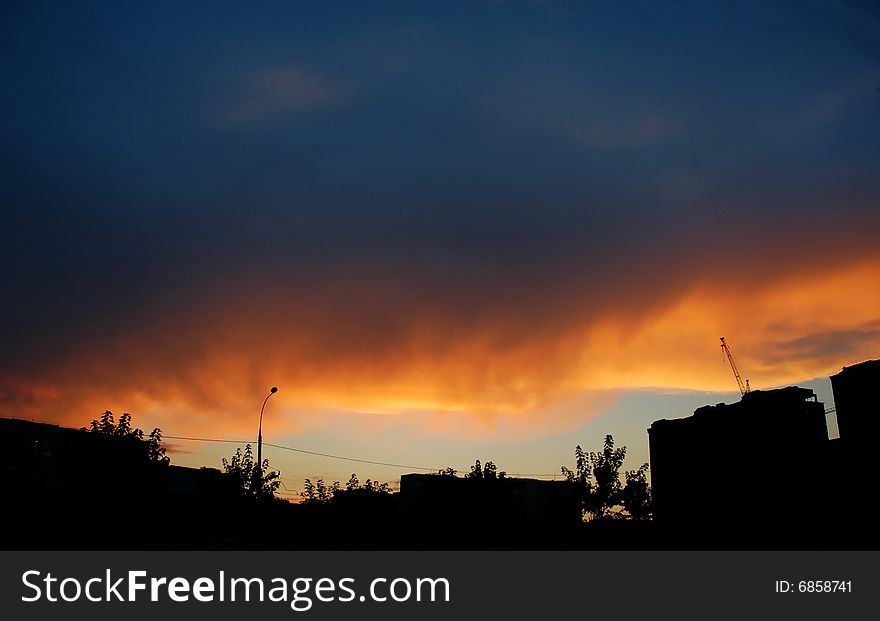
757, 474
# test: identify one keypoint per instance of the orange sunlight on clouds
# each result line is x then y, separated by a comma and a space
466, 380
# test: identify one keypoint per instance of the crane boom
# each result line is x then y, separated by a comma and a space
743, 386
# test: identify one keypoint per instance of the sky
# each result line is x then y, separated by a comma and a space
446, 231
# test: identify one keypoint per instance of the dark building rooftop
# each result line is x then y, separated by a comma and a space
68, 486
857, 402
516, 503
734, 462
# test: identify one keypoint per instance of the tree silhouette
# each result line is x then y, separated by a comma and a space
124, 429
580, 476
156, 450
476, 471
636, 494
597, 480
376, 487
353, 482
321, 493
490, 471
243, 469
480, 472
606, 472
107, 426
318, 492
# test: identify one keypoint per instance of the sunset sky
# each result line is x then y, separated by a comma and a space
446, 231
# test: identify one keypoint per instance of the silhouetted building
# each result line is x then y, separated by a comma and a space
857, 401
853, 458
50, 460
68, 487
507, 504
750, 463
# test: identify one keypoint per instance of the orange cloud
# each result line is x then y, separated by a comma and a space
673, 347
206, 370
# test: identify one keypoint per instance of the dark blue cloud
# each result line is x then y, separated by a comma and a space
477, 149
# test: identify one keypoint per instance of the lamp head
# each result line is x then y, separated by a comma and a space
274, 389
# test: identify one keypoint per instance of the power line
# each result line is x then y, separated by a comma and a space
340, 457
206, 439
362, 461
299, 450
328, 455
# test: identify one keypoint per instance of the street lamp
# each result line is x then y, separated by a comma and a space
259, 472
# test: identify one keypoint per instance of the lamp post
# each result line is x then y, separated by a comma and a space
259, 472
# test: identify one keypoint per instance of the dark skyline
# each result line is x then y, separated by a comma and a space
469, 227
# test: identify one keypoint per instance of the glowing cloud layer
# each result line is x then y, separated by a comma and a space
471, 377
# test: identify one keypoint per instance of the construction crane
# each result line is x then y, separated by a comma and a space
743, 386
